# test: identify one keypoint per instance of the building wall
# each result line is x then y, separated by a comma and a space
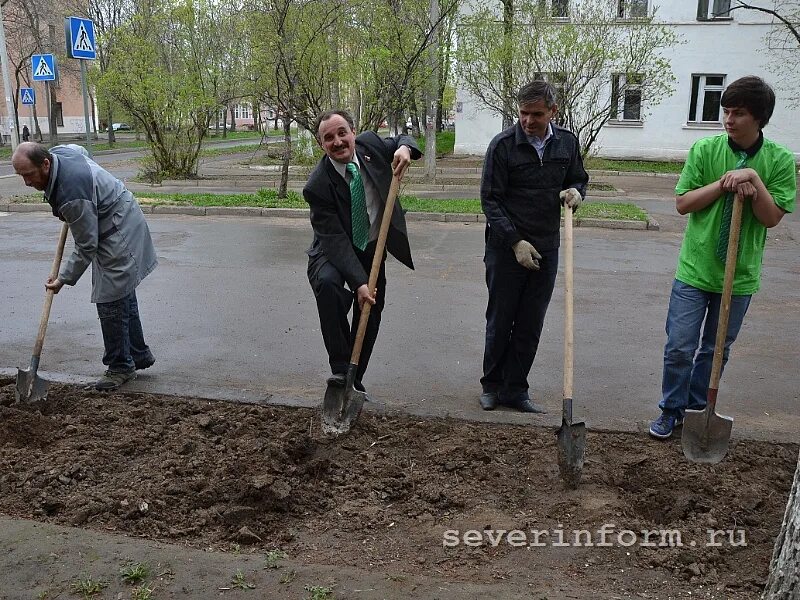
71, 99
20, 43
734, 47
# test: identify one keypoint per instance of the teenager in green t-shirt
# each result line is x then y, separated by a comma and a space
739, 162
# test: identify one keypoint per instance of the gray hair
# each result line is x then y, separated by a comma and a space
537, 90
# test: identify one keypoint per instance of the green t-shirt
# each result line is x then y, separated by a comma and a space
708, 160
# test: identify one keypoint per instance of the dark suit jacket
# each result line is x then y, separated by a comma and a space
328, 195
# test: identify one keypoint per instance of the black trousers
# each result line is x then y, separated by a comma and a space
334, 302
518, 301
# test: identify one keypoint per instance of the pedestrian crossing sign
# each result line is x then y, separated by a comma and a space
27, 96
80, 38
43, 67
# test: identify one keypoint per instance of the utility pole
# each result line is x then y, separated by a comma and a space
12, 113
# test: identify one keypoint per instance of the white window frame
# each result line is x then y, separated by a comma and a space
624, 9
242, 111
714, 10
702, 90
619, 81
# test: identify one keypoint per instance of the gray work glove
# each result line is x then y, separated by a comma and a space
526, 255
571, 197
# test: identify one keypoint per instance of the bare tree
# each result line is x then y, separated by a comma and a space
594, 59
783, 41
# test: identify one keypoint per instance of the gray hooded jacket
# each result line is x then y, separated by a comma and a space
107, 225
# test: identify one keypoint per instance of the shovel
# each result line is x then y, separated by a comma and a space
342, 405
30, 387
706, 434
571, 436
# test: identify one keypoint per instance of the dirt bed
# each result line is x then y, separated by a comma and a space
392, 493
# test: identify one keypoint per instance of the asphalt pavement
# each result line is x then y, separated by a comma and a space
230, 315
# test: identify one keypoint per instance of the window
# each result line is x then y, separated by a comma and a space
560, 9
557, 9
706, 94
626, 97
632, 9
708, 10
59, 114
242, 111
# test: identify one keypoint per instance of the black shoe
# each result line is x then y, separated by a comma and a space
337, 380
145, 363
488, 400
526, 405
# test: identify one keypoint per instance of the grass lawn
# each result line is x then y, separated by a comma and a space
637, 166
268, 198
445, 142
208, 151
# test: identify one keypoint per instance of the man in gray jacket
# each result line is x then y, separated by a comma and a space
111, 234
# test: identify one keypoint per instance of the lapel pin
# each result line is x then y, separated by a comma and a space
366, 158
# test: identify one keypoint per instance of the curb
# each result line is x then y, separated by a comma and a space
604, 173
302, 213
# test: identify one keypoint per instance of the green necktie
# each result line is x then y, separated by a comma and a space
727, 211
358, 208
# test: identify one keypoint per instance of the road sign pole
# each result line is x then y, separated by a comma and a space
12, 114
86, 107
49, 111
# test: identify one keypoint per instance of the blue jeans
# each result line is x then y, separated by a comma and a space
687, 355
518, 300
122, 334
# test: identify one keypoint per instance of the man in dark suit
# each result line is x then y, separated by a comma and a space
346, 193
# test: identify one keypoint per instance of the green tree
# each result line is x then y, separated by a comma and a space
594, 58
108, 16
386, 44
294, 60
158, 73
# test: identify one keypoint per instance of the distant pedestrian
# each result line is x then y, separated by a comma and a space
739, 162
26, 133
110, 233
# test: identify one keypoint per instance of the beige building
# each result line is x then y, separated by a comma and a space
67, 108
21, 43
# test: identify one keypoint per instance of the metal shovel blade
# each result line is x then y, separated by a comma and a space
706, 435
30, 387
341, 408
571, 447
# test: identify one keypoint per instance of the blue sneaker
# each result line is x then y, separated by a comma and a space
663, 426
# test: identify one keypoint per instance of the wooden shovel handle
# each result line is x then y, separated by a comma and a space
48, 299
377, 259
725, 301
568, 324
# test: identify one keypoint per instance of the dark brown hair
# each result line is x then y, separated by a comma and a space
330, 113
752, 93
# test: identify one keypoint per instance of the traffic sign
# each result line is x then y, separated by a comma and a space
27, 95
43, 67
80, 38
